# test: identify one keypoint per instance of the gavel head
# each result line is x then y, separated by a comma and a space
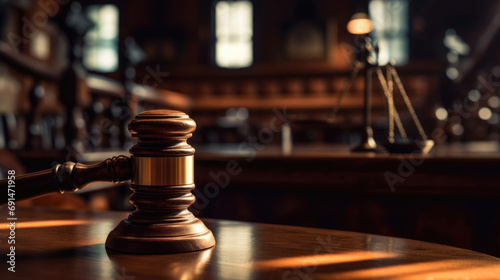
162, 180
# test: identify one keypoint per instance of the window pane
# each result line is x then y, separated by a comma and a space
108, 22
395, 48
234, 54
379, 16
104, 58
400, 14
241, 18
399, 50
222, 23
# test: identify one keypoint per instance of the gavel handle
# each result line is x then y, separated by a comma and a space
68, 176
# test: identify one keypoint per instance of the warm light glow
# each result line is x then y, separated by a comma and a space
323, 259
484, 113
457, 129
441, 113
441, 269
453, 42
494, 102
49, 223
359, 24
240, 254
452, 73
452, 57
40, 46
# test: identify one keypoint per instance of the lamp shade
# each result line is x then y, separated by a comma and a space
360, 23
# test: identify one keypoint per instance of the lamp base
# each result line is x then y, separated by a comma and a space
367, 144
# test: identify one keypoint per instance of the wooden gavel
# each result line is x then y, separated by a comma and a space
161, 172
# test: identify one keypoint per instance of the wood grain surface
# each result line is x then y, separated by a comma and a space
64, 244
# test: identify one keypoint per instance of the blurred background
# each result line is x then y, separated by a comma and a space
73, 74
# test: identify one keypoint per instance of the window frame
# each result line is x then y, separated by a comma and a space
117, 39
214, 38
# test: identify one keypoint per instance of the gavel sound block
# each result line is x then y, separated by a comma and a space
161, 170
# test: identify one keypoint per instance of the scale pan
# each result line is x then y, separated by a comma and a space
417, 146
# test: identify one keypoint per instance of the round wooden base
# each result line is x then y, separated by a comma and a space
160, 238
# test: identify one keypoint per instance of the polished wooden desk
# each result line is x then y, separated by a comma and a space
64, 244
448, 197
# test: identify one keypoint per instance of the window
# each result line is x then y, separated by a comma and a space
100, 52
390, 29
233, 34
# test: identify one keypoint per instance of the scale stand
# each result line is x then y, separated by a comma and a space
368, 143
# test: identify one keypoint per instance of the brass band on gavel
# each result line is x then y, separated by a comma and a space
162, 171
